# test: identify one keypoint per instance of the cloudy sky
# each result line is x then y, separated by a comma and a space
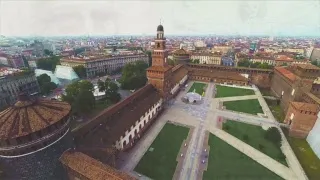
71, 17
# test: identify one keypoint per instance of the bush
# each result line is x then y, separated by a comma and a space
245, 137
281, 156
226, 127
261, 147
273, 135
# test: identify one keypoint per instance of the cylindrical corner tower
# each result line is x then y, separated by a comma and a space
33, 135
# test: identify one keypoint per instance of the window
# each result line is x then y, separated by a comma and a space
292, 115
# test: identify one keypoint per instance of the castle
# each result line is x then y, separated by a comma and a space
95, 145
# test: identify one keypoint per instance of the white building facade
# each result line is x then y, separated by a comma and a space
129, 136
314, 137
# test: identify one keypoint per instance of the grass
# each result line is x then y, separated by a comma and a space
226, 162
198, 88
160, 163
250, 106
256, 138
226, 91
277, 112
307, 158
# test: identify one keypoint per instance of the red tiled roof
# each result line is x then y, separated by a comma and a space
91, 168
302, 106
286, 73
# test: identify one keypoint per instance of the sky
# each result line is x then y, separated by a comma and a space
188, 17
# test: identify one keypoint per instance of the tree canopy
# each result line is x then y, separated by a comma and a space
247, 63
80, 95
80, 70
195, 61
79, 50
49, 63
273, 135
172, 62
134, 75
111, 90
46, 86
48, 52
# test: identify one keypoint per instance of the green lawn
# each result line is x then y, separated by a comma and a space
198, 88
255, 137
160, 163
250, 106
227, 163
277, 112
225, 91
307, 158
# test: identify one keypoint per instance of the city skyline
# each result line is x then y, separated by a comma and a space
271, 18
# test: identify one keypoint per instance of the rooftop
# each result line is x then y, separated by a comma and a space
284, 58
180, 52
308, 66
91, 168
286, 73
302, 106
218, 74
28, 116
117, 119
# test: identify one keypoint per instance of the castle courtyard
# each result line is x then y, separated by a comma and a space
204, 119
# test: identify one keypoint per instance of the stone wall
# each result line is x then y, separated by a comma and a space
261, 80
40, 165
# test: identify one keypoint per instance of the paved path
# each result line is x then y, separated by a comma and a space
205, 117
254, 154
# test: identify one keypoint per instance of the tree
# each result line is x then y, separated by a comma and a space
80, 70
273, 135
79, 95
48, 63
48, 52
112, 92
244, 63
101, 86
79, 50
195, 61
172, 62
134, 75
84, 102
46, 86
254, 65
315, 63
265, 66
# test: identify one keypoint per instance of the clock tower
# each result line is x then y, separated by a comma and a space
159, 74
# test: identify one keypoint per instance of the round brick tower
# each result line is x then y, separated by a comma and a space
181, 56
33, 135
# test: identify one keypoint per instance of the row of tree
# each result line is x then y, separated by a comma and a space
247, 63
49, 63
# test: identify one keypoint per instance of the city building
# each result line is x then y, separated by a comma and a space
33, 135
200, 44
227, 61
96, 65
297, 89
13, 82
301, 117
181, 56
207, 58
221, 48
315, 55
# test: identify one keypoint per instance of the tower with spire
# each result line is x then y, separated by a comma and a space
159, 74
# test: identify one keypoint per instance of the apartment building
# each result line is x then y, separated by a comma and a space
102, 63
207, 58
13, 82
